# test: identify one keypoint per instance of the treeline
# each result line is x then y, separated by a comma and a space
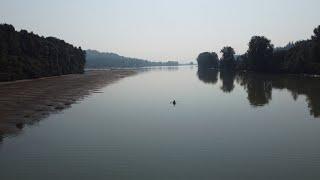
300, 57
259, 86
24, 55
96, 59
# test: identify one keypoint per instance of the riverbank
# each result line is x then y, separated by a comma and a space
28, 101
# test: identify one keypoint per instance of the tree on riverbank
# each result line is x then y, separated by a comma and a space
303, 57
259, 53
25, 55
300, 57
227, 60
208, 60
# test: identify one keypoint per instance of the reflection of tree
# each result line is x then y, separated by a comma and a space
314, 104
227, 78
259, 89
259, 86
308, 86
208, 75
259, 92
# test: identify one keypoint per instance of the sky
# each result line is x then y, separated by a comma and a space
164, 30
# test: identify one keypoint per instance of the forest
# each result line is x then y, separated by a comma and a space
96, 59
301, 57
25, 55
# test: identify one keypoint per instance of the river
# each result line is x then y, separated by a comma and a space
224, 126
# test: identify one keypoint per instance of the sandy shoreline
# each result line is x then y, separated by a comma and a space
28, 101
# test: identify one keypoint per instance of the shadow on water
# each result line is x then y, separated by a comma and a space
259, 86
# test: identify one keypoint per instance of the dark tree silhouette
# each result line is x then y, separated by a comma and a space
316, 46
302, 57
316, 36
259, 53
208, 60
227, 60
25, 55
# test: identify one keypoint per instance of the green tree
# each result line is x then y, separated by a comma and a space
316, 35
259, 53
316, 46
208, 60
26, 55
227, 60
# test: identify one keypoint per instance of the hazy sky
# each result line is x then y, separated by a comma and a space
164, 29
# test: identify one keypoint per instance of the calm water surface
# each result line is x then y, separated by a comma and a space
225, 126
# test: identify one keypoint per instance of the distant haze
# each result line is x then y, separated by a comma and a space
164, 30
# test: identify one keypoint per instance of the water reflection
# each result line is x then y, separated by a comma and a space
28, 102
157, 68
208, 75
308, 86
227, 78
259, 86
132, 132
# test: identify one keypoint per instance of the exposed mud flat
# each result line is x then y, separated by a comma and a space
28, 101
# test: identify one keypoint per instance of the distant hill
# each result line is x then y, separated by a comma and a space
96, 59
